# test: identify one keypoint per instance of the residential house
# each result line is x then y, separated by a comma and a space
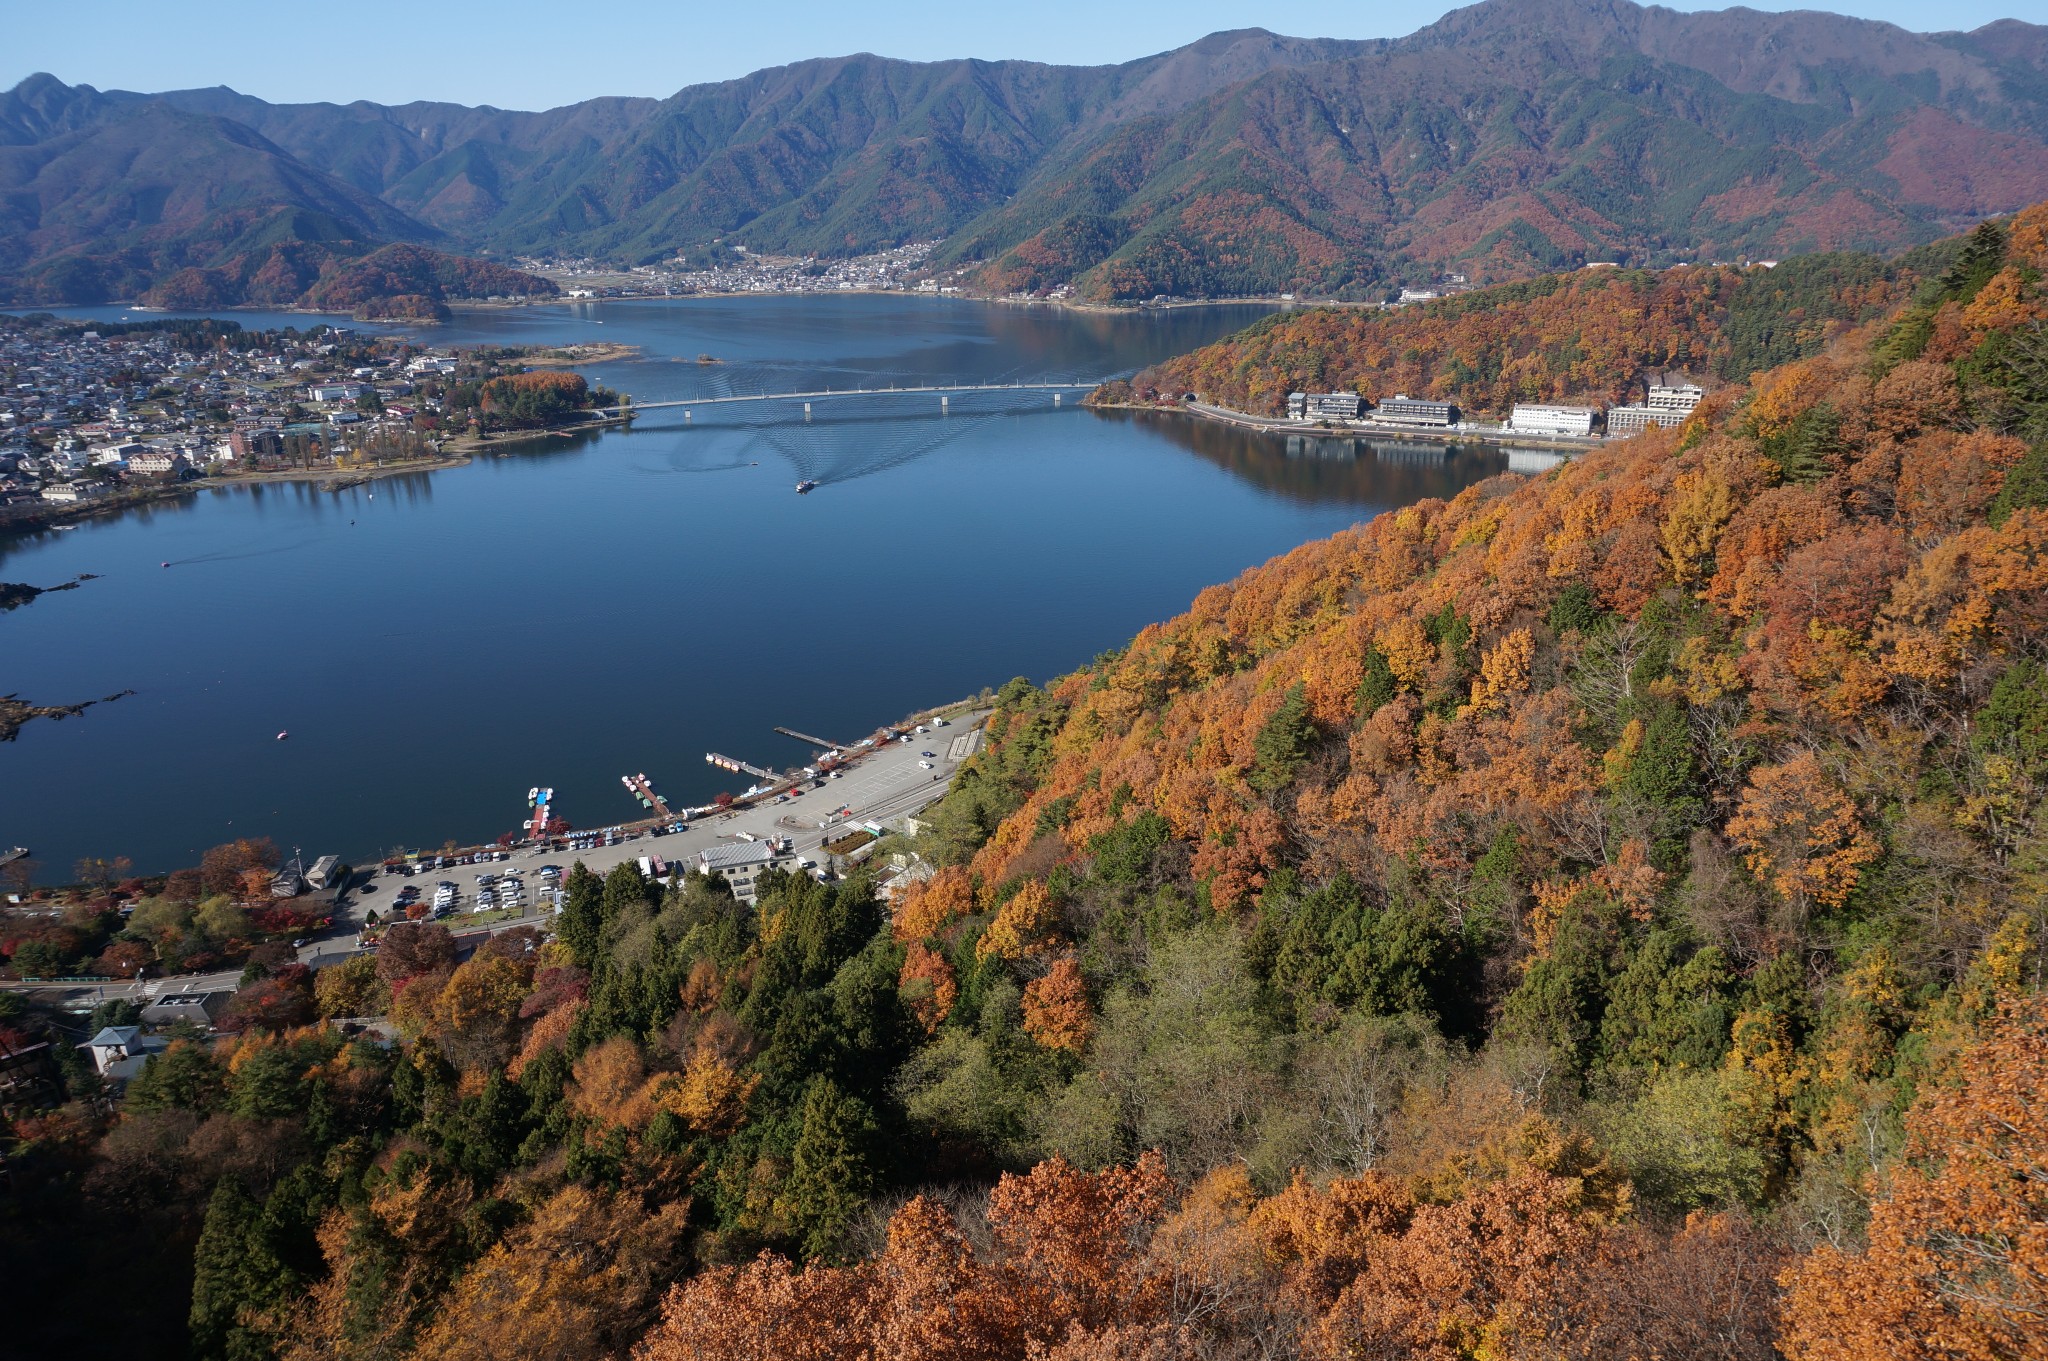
71, 493
198, 1008
742, 864
157, 463
120, 1051
112, 455
337, 392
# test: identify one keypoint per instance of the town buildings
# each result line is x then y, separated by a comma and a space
732, 268
1667, 406
152, 461
85, 413
1324, 406
1418, 411
1536, 419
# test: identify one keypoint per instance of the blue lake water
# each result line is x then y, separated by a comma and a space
572, 610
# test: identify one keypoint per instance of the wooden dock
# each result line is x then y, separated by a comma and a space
641, 788
743, 767
818, 742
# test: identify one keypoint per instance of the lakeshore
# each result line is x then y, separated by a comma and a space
878, 788
1275, 425
563, 611
55, 515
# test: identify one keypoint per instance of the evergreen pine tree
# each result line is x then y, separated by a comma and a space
582, 916
1284, 743
220, 1282
831, 1171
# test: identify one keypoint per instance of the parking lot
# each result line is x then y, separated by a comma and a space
879, 784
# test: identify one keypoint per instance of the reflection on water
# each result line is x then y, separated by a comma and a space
1369, 473
844, 438
1533, 460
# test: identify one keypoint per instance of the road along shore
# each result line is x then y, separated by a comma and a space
1275, 425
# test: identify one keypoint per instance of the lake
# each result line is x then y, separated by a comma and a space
576, 609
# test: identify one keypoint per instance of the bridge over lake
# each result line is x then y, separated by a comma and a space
940, 390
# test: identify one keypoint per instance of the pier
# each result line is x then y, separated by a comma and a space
641, 788
743, 767
818, 742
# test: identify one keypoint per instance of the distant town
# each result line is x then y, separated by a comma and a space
91, 415
734, 269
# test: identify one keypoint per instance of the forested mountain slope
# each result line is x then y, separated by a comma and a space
1594, 335
1515, 137
1600, 915
105, 197
1507, 139
1699, 783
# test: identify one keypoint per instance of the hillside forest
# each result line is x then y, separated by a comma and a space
1599, 916
1592, 336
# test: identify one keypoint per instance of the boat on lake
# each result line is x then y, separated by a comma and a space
804, 486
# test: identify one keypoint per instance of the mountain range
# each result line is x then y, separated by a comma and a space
1508, 138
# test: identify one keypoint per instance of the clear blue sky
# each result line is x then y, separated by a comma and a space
522, 55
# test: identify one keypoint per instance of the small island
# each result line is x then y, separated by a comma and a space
14, 594
15, 711
574, 356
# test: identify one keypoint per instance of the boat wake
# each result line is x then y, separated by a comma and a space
238, 557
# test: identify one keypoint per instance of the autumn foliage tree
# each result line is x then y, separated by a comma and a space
1956, 1265
526, 399
222, 868
1056, 1012
1122, 1263
410, 949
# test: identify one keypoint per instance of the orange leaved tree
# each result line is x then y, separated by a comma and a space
1957, 1264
